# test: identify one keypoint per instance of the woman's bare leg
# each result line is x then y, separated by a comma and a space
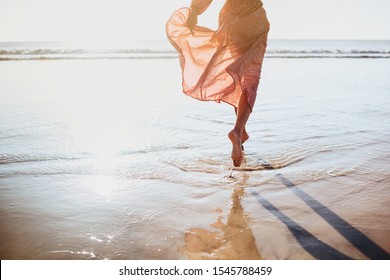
243, 112
245, 135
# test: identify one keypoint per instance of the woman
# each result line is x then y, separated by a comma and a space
223, 65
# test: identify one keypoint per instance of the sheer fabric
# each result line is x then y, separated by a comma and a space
221, 65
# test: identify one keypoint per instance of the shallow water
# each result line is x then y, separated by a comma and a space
106, 159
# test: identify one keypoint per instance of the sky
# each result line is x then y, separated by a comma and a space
128, 20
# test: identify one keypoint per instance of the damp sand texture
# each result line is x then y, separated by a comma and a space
107, 159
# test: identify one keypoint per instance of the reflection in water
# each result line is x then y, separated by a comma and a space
233, 240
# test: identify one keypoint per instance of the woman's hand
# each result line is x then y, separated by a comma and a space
192, 18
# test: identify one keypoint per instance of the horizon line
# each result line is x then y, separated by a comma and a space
163, 39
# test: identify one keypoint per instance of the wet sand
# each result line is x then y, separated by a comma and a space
106, 159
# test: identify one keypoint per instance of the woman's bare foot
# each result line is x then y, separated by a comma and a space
244, 137
234, 136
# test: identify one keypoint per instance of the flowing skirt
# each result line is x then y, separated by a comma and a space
223, 64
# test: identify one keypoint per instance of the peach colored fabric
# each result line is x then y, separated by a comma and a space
221, 65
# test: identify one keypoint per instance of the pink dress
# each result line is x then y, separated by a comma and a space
221, 65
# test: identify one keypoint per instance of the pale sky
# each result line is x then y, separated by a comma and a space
126, 20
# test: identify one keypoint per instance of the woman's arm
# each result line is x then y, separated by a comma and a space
197, 8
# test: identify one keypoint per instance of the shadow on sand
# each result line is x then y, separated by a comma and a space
310, 243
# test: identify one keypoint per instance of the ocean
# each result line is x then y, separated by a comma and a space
103, 157
162, 49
